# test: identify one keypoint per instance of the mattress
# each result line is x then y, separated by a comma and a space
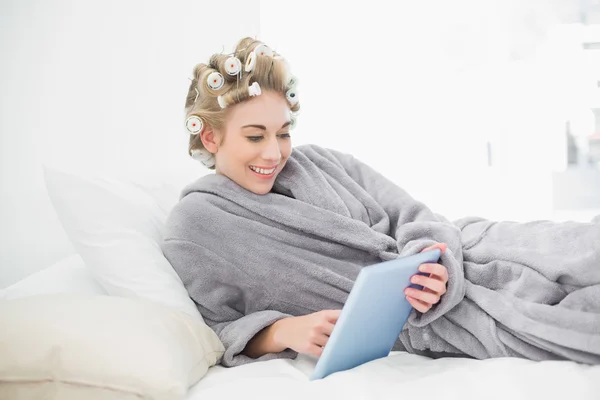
398, 376
403, 375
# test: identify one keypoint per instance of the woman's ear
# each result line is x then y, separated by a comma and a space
210, 139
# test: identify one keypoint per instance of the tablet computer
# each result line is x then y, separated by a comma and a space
373, 315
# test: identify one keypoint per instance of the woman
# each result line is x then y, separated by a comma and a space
269, 246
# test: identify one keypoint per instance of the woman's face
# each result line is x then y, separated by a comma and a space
256, 143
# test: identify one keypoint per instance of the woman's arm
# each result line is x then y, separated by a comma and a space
414, 226
232, 304
265, 342
307, 334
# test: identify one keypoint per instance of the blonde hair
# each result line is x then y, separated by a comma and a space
270, 72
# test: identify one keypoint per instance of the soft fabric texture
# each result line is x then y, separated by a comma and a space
74, 346
405, 376
116, 223
69, 275
527, 290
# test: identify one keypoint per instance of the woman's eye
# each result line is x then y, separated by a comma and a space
254, 138
284, 135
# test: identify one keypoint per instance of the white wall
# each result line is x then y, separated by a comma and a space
96, 85
418, 88
415, 89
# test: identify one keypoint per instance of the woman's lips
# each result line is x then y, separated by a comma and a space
263, 176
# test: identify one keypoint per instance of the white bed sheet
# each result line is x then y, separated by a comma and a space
405, 376
394, 377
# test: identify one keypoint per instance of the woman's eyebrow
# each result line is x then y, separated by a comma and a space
264, 128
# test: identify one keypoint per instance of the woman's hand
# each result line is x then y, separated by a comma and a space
307, 334
434, 285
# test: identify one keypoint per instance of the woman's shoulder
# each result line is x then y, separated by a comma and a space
179, 223
309, 148
204, 184
321, 156
193, 205
316, 152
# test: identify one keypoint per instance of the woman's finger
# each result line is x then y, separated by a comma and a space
425, 297
441, 246
418, 305
332, 315
433, 284
326, 328
320, 340
315, 350
435, 269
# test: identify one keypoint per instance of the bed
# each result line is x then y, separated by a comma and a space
404, 375
399, 375
114, 224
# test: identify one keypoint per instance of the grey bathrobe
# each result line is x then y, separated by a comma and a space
527, 290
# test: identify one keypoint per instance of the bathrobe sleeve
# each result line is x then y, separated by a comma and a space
415, 227
234, 306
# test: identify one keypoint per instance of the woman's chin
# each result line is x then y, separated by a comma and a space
261, 189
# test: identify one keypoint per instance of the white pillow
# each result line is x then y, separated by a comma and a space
116, 225
74, 346
66, 276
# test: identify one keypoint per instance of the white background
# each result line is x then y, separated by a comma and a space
96, 85
416, 89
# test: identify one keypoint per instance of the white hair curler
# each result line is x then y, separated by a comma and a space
254, 89
204, 156
250, 62
194, 124
292, 96
233, 66
215, 81
263, 50
221, 102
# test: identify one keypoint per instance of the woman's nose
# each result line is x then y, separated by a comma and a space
272, 152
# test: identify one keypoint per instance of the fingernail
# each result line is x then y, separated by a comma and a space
414, 279
423, 268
